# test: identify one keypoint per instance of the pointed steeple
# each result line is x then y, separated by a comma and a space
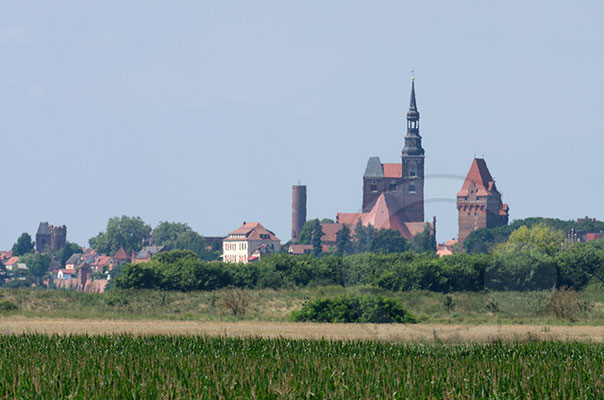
412, 114
412, 103
413, 140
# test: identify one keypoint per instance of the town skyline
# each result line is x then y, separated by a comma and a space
144, 123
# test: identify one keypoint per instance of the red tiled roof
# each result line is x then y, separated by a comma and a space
11, 261
102, 260
252, 231
451, 242
385, 214
392, 170
121, 255
330, 232
443, 251
480, 176
300, 248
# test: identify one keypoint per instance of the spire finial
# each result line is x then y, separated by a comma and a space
412, 103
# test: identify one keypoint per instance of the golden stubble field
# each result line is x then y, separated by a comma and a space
382, 332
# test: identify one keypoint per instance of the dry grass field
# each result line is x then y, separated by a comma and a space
515, 308
382, 332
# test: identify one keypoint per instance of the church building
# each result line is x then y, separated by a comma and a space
393, 193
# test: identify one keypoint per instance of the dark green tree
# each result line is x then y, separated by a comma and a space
306, 232
423, 242
191, 240
37, 265
317, 234
23, 245
166, 233
389, 241
328, 221
67, 251
363, 238
343, 244
126, 232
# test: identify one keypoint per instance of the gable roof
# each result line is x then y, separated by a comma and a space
330, 232
12, 261
481, 178
252, 231
74, 259
148, 251
121, 255
386, 213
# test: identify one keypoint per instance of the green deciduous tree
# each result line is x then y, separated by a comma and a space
23, 245
166, 233
363, 238
389, 241
191, 240
126, 232
305, 236
67, 251
37, 265
540, 238
423, 242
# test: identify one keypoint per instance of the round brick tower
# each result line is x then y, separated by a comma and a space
298, 210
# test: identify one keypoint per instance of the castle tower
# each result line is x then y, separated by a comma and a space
479, 202
298, 210
43, 237
413, 165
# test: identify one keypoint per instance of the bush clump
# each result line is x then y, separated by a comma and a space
353, 308
7, 306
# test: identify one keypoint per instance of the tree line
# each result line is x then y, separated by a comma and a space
534, 258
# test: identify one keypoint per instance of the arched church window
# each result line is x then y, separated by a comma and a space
412, 187
373, 186
412, 168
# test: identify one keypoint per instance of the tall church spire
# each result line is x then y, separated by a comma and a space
413, 140
412, 103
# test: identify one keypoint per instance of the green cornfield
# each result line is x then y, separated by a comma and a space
196, 367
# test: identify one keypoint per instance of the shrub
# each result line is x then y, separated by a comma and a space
353, 308
7, 306
236, 301
564, 303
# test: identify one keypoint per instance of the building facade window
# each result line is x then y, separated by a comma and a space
373, 186
412, 187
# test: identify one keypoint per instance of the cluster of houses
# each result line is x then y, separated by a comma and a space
81, 269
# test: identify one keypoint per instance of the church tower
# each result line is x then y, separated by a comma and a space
413, 165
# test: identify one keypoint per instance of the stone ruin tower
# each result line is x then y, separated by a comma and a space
50, 238
298, 210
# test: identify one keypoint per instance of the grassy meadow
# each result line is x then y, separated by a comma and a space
276, 305
175, 367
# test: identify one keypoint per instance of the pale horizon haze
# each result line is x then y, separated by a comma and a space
207, 112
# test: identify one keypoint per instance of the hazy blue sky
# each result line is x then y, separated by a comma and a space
207, 112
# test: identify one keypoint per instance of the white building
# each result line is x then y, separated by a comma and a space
248, 242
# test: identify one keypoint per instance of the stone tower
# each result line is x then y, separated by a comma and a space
413, 165
405, 181
479, 202
298, 210
50, 238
